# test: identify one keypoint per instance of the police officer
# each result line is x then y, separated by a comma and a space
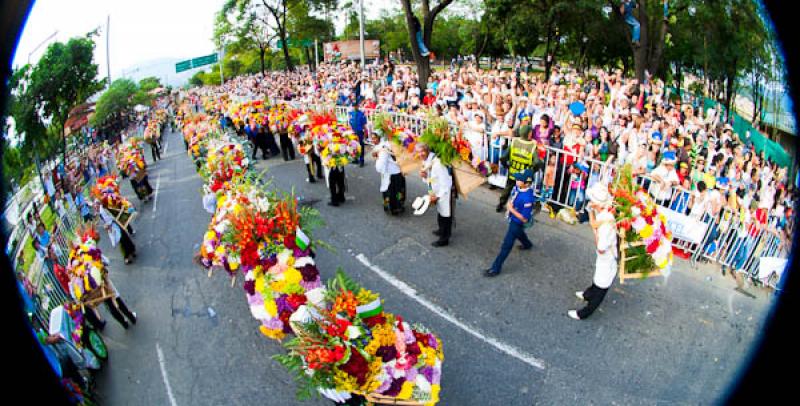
520, 217
358, 122
520, 156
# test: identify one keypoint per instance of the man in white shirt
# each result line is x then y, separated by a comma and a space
393, 184
604, 226
440, 183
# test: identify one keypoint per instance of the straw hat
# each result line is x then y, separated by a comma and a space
421, 204
598, 194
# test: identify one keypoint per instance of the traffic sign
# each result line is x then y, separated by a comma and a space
296, 43
183, 66
196, 62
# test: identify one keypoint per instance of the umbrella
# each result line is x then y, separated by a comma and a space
577, 108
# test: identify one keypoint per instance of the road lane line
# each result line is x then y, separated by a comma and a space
161, 363
166, 146
155, 199
412, 293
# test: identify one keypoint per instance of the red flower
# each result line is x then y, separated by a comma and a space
356, 366
375, 320
652, 247
296, 300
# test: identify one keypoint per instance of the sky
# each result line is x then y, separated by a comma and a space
140, 30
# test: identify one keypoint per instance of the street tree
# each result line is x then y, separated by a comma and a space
428, 18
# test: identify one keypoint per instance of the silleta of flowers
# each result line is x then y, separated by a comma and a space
338, 143
106, 190
251, 110
299, 130
130, 159
345, 343
226, 164
85, 267
153, 129
280, 116
638, 219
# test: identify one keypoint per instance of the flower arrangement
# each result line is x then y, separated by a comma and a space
346, 343
106, 190
130, 158
638, 220
338, 144
85, 268
279, 117
226, 164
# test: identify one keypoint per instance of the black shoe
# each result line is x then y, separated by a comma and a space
499, 208
437, 233
133, 320
125, 325
440, 243
524, 248
334, 204
490, 272
361, 165
312, 180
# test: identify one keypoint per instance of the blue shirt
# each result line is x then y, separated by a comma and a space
523, 203
251, 132
357, 121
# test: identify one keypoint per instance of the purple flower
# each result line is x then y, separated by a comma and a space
395, 387
387, 353
310, 273
437, 376
411, 374
273, 323
255, 300
250, 287
427, 372
384, 385
311, 285
432, 342
283, 305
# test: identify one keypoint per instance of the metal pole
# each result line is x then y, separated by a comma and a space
40, 44
361, 29
221, 60
108, 55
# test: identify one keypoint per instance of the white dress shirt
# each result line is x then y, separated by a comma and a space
386, 164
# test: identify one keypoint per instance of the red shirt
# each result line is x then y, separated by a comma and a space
569, 159
428, 100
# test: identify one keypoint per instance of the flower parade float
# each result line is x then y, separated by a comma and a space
645, 241
403, 141
130, 158
340, 342
106, 190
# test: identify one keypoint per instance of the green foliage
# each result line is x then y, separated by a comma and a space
114, 102
437, 137
340, 281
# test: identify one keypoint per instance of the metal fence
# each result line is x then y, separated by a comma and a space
727, 239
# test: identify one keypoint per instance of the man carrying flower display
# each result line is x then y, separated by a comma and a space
605, 236
440, 184
393, 183
520, 217
336, 184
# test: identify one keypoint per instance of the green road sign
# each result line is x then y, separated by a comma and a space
195, 62
183, 66
204, 60
296, 43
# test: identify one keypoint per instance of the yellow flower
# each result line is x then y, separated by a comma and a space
271, 307
366, 296
344, 381
278, 286
406, 391
435, 393
430, 356
292, 276
647, 231
274, 334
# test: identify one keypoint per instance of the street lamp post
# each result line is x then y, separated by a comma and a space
361, 30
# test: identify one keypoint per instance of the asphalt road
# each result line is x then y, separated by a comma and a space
507, 339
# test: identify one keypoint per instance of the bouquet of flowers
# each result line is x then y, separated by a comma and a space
130, 159
226, 164
279, 117
153, 130
346, 344
85, 268
338, 144
638, 220
106, 190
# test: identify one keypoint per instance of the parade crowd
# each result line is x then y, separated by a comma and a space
687, 157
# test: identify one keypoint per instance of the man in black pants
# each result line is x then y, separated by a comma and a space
269, 141
336, 185
604, 226
260, 142
287, 148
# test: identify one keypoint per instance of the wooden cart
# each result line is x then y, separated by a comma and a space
122, 217
376, 399
623, 259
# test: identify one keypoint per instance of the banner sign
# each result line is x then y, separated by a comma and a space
351, 50
684, 227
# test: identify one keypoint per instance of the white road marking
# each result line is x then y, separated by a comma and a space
412, 293
166, 146
161, 363
155, 198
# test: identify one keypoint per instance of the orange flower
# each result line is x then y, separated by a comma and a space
346, 302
